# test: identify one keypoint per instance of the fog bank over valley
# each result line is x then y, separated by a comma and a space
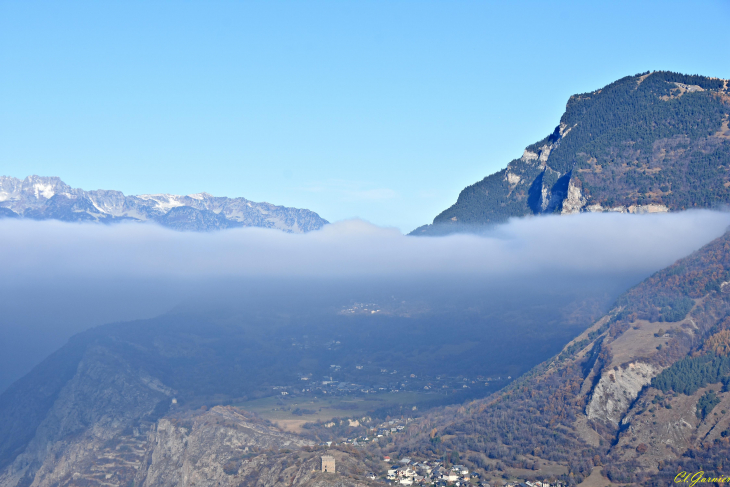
60, 278
43, 251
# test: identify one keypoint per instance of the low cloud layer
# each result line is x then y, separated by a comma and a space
586, 244
58, 279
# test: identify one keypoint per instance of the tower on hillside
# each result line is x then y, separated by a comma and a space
328, 463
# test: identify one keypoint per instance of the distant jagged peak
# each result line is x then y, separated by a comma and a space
156, 196
200, 196
40, 187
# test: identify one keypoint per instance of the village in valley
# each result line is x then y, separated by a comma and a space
408, 472
431, 471
362, 405
391, 382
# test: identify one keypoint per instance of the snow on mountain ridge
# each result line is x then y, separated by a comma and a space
42, 198
163, 201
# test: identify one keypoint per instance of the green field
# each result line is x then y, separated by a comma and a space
280, 409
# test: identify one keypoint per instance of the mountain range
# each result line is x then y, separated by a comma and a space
653, 142
49, 198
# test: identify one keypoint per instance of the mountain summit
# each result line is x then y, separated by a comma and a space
653, 142
49, 198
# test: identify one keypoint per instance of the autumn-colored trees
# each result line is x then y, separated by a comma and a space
719, 343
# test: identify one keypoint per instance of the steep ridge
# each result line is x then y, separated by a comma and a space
49, 198
640, 396
653, 142
100, 419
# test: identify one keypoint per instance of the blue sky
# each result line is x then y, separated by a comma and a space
378, 110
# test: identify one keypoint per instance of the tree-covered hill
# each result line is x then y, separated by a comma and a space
651, 142
640, 396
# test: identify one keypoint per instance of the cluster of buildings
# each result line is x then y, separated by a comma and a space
390, 427
361, 308
427, 472
348, 380
408, 472
386, 428
331, 387
536, 483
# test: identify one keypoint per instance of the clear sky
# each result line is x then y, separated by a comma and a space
378, 110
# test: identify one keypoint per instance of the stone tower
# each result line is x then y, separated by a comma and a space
328, 463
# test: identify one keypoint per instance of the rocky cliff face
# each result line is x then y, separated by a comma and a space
224, 447
616, 391
102, 398
648, 143
113, 424
43, 198
220, 447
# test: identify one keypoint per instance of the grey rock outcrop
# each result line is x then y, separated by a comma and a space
617, 389
104, 397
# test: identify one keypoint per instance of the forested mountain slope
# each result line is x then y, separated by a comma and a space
639, 396
652, 142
